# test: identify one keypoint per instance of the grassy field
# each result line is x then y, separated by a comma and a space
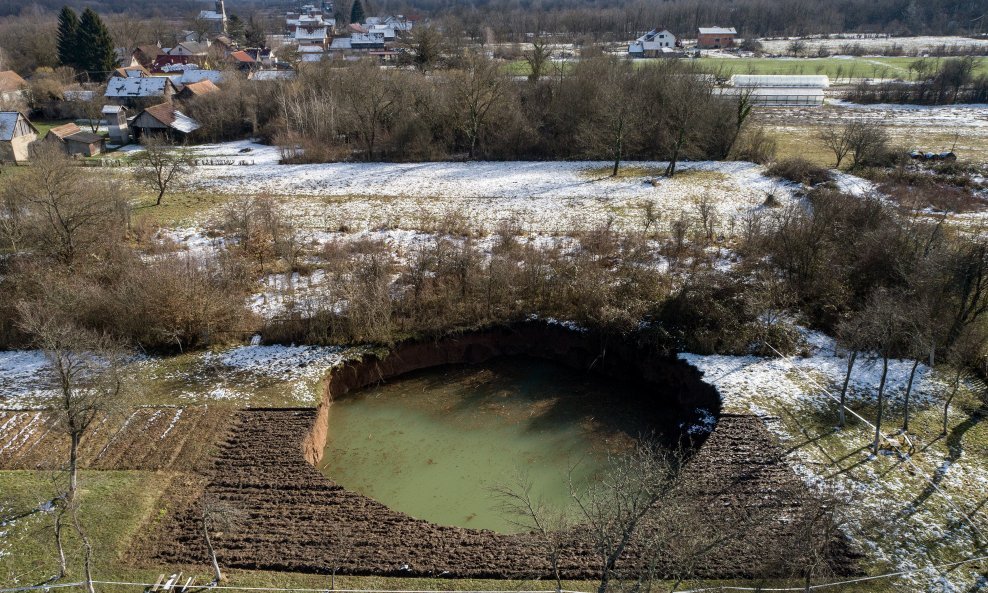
838, 69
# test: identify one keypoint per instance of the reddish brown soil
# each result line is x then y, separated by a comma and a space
144, 439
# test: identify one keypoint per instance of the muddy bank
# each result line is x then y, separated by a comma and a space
655, 382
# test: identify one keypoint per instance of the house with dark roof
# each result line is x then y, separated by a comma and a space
73, 140
146, 54
17, 134
163, 119
139, 92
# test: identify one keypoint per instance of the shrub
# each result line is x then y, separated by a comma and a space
799, 170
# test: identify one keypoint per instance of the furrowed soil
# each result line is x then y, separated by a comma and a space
295, 519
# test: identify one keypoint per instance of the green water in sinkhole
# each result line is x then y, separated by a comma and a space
435, 443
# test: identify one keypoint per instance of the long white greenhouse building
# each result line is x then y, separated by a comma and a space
780, 90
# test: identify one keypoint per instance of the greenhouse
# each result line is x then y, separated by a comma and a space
779, 81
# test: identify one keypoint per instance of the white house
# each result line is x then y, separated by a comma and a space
654, 44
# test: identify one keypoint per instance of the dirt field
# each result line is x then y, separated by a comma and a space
294, 519
148, 438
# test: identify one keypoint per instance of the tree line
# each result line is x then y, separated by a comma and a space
604, 109
937, 82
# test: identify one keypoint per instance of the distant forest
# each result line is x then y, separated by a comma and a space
615, 19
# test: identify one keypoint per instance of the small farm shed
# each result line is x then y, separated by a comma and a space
163, 119
16, 136
74, 140
716, 37
115, 117
771, 90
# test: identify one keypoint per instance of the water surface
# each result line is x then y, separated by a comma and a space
434, 443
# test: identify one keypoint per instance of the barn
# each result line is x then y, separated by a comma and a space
74, 140
16, 136
778, 90
163, 119
716, 37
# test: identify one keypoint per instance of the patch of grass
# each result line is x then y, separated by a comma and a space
178, 208
113, 506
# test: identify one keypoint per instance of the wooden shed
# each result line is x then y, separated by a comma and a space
74, 140
163, 119
16, 136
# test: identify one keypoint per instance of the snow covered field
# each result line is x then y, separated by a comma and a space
545, 197
926, 527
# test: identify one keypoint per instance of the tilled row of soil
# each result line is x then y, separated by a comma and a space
146, 438
744, 514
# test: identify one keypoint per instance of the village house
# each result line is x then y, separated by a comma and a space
16, 136
396, 22
716, 37
197, 89
73, 140
193, 75
146, 54
163, 119
189, 48
12, 86
137, 93
657, 43
215, 19
115, 117
137, 71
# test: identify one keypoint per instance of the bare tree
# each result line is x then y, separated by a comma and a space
58, 209
852, 339
883, 326
612, 123
965, 353
84, 370
614, 508
538, 59
371, 97
689, 96
477, 91
530, 512
161, 165
837, 138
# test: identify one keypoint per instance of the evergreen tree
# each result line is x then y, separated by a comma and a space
236, 29
97, 55
68, 38
357, 12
